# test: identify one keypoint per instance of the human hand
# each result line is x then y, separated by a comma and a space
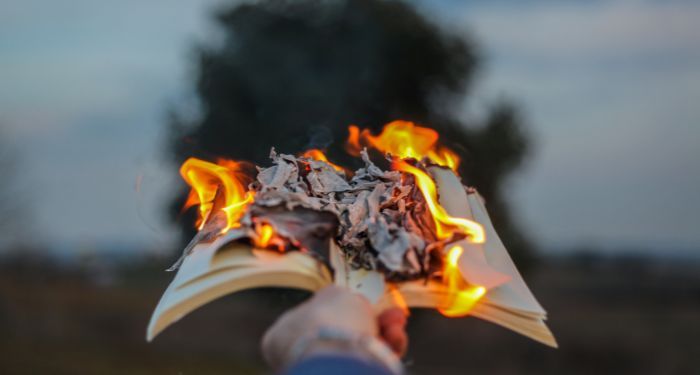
354, 327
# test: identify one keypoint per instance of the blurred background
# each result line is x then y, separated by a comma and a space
577, 120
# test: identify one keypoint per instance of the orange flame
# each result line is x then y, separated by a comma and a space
317, 154
352, 146
221, 184
265, 232
445, 225
460, 297
398, 299
405, 140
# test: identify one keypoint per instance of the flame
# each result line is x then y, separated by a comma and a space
317, 154
405, 140
445, 225
266, 237
352, 146
398, 300
222, 184
265, 232
460, 297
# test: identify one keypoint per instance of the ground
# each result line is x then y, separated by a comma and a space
618, 316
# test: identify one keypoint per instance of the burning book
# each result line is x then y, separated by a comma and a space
411, 236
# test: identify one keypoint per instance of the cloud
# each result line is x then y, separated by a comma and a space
610, 89
588, 30
62, 60
82, 97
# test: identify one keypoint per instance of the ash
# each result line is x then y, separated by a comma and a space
379, 218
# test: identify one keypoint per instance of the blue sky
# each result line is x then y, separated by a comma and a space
609, 89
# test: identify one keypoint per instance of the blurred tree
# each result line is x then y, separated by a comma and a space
294, 74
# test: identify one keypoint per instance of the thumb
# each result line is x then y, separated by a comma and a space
392, 329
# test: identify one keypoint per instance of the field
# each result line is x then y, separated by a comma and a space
618, 316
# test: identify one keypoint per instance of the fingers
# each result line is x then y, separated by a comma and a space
392, 329
336, 308
336, 294
392, 316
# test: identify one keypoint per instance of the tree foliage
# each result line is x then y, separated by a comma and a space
294, 74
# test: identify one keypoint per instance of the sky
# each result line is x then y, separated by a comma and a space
609, 90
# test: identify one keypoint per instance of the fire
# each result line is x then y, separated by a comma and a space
398, 299
405, 140
445, 224
460, 297
222, 187
217, 185
265, 232
266, 238
317, 154
352, 146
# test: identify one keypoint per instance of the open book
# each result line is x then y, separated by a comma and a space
226, 266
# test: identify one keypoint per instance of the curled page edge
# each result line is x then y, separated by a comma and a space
472, 264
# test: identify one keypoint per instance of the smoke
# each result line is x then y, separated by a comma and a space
320, 137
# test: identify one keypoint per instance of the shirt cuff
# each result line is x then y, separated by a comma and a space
335, 364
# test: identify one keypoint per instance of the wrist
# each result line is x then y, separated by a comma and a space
334, 341
332, 347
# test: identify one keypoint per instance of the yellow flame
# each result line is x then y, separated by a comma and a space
225, 181
265, 232
460, 298
317, 154
445, 225
403, 139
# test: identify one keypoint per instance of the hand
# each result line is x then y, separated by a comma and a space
392, 329
337, 309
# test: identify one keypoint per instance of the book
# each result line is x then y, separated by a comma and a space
215, 269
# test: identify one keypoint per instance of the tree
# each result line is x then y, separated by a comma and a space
294, 74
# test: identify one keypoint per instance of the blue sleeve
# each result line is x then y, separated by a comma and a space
335, 365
